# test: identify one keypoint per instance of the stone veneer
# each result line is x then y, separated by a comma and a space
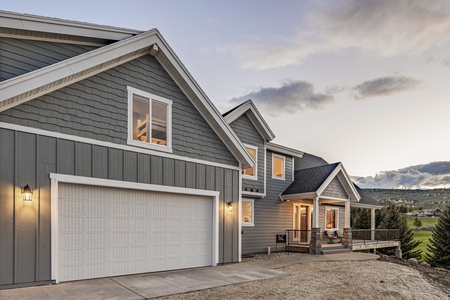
315, 245
347, 239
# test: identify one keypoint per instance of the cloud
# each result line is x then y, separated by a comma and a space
290, 98
432, 175
384, 27
384, 86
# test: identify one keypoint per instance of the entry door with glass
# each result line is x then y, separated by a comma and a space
302, 223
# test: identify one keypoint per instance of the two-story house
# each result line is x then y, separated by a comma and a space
114, 161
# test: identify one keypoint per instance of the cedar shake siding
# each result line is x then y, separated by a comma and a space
272, 216
335, 190
248, 134
97, 108
19, 57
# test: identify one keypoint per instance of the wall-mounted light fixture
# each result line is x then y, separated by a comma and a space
27, 193
229, 206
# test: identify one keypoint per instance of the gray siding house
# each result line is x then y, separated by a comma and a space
114, 161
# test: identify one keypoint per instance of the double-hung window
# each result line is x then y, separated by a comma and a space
149, 120
252, 172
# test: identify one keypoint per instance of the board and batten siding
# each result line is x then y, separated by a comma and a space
272, 216
25, 228
248, 134
19, 57
97, 108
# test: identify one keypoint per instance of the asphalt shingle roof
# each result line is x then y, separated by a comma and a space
365, 198
309, 180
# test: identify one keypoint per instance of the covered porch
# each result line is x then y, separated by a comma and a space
321, 198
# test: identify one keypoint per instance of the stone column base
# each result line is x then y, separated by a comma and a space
347, 239
315, 244
398, 252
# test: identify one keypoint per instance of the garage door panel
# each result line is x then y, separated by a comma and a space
108, 232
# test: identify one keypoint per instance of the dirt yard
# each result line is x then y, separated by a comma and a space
386, 278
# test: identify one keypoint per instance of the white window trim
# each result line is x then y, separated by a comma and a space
337, 217
130, 141
254, 177
284, 166
252, 223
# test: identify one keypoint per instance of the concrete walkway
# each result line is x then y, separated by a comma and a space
152, 285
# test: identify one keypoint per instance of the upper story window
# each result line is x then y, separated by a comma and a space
278, 166
252, 172
149, 120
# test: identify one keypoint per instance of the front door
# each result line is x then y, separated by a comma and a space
302, 221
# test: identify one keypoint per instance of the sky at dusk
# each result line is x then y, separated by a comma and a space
363, 82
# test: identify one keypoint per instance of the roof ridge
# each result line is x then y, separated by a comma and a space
322, 166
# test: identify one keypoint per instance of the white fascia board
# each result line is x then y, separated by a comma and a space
301, 196
213, 114
29, 81
348, 185
284, 150
254, 116
52, 25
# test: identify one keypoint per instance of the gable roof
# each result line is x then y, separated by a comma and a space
366, 200
311, 182
31, 85
249, 108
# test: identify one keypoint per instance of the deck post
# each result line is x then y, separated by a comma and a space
315, 244
372, 224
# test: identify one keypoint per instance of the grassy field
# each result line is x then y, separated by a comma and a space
426, 221
424, 237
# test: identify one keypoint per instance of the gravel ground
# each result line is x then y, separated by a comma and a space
383, 279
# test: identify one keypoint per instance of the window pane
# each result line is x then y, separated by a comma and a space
331, 218
250, 171
247, 212
278, 167
159, 123
140, 118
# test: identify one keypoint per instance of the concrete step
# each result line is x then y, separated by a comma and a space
335, 250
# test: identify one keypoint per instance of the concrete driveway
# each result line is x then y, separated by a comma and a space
151, 285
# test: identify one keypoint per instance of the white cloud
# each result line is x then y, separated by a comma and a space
384, 27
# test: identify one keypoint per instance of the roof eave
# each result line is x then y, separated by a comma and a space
53, 25
284, 150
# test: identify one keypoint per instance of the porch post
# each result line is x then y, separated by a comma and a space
315, 244
372, 224
347, 238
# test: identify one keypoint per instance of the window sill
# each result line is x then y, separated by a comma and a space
149, 146
249, 177
279, 178
248, 224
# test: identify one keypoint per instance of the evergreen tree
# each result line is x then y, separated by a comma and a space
417, 222
439, 246
362, 219
393, 219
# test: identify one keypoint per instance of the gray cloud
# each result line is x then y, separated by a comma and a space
432, 175
292, 97
384, 86
384, 27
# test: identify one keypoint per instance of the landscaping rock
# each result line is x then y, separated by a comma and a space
424, 264
413, 261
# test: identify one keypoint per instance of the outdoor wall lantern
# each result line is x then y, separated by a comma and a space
230, 206
27, 193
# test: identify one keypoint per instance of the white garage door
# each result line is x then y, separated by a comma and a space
107, 231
